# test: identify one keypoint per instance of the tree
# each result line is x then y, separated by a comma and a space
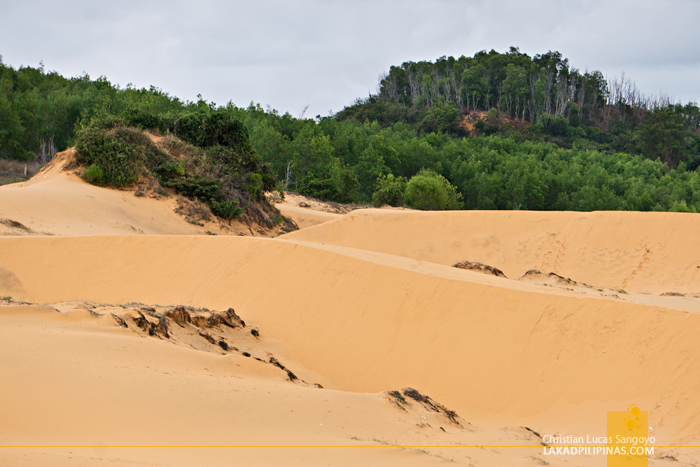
663, 134
11, 129
430, 191
443, 117
475, 86
390, 190
515, 90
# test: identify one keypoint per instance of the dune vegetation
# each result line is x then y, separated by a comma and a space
211, 161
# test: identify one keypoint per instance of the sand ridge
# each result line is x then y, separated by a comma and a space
632, 251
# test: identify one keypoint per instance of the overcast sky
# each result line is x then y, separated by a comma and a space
288, 54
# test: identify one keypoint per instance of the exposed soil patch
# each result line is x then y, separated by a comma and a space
194, 211
401, 399
479, 267
15, 225
199, 328
536, 275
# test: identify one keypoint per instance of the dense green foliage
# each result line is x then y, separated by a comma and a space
501, 171
428, 190
538, 135
543, 96
221, 172
115, 157
390, 190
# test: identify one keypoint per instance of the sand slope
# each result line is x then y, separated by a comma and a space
65, 205
491, 353
637, 252
306, 217
58, 202
364, 303
78, 380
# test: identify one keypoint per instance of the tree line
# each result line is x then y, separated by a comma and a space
544, 93
571, 142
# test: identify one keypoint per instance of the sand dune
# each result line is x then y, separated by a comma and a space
79, 380
637, 252
360, 303
65, 205
491, 353
56, 202
306, 217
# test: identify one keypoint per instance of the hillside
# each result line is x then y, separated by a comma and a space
543, 97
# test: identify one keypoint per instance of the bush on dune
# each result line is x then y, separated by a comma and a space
428, 190
215, 164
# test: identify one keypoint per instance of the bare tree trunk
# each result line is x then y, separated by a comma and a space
582, 99
52, 149
548, 92
456, 88
499, 94
288, 177
447, 85
532, 79
42, 154
414, 85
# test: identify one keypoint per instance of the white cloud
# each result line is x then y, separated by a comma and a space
327, 53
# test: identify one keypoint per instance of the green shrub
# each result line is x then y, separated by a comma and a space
334, 182
207, 128
390, 191
483, 128
226, 209
318, 187
149, 120
255, 185
680, 206
555, 125
197, 186
116, 159
428, 190
94, 175
170, 170
443, 117
119, 153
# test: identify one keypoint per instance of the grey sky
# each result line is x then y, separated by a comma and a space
289, 54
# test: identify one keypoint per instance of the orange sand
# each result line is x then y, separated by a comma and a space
363, 303
638, 252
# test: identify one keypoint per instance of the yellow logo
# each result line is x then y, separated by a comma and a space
628, 438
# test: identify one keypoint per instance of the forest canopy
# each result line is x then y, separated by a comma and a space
492, 131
